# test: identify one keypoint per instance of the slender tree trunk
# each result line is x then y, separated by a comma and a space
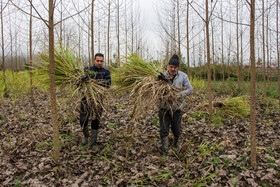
208, 63
30, 57
3, 53
92, 31
229, 48
126, 31
132, 29
16, 54
89, 50
54, 121
222, 40
108, 34
267, 53
179, 37
263, 50
173, 30
12, 58
241, 59
118, 33
188, 41
79, 38
213, 54
61, 24
277, 44
99, 36
237, 45
200, 60
253, 87
205, 55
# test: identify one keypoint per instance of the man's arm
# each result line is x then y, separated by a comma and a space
187, 85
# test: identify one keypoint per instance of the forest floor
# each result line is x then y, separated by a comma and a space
129, 152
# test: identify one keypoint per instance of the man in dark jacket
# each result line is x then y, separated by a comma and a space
103, 77
171, 114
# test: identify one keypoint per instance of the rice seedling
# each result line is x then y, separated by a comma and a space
139, 78
132, 71
70, 74
236, 107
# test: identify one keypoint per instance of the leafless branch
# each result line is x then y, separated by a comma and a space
72, 15
40, 18
196, 11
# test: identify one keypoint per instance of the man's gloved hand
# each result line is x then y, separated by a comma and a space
84, 78
162, 77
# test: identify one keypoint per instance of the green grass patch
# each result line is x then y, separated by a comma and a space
18, 83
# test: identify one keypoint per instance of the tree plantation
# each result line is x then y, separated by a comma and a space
140, 93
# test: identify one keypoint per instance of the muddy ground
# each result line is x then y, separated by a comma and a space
129, 152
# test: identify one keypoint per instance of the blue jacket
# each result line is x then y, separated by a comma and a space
102, 75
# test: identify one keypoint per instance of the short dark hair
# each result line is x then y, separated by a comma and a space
98, 54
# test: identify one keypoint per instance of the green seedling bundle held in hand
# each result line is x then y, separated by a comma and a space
140, 79
70, 73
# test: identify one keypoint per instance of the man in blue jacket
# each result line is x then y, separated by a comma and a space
170, 114
103, 77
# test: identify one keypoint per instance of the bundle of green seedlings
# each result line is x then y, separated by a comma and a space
139, 78
70, 74
235, 107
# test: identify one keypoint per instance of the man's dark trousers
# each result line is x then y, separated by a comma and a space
168, 118
84, 117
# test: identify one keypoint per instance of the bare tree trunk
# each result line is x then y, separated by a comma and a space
30, 56
108, 34
277, 41
54, 121
89, 50
99, 36
3, 53
173, 30
241, 59
118, 32
253, 87
222, 40
229, 48
126, 31
61, 24
92, 31
11, 36
208, 62
263, 46
200, 60
132, 29
267, 53
188, 40
237, 45
213, 54
179, 37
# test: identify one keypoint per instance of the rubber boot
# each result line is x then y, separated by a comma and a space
164, 142
176, 140
93, 137
85, 132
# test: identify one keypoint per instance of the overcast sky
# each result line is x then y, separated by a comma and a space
148, 10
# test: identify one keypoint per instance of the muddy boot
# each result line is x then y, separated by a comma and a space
85, 139
93, 138
176, 140
164, 142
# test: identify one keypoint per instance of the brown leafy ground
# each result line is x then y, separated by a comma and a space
129, 151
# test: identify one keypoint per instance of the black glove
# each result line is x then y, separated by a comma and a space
85, 78
82, 79
162, 77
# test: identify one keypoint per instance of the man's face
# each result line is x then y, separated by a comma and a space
173, 69
98, 61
